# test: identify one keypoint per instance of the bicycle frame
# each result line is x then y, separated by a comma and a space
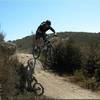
47, 41
46, 44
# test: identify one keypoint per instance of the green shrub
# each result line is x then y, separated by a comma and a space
97, 74
79, 76
92, 59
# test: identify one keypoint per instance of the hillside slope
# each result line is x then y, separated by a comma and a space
80, 38
55, 86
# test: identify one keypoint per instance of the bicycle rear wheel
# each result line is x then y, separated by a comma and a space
38, 89
31, 62
36, 52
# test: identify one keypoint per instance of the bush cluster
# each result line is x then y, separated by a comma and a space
68, 58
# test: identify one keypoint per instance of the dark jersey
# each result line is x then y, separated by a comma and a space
44, 27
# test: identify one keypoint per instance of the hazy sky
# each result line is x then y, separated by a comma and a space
19, 17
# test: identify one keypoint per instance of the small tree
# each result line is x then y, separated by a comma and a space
1, 36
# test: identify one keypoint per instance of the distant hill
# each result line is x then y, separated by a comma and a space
24, 44
80, 38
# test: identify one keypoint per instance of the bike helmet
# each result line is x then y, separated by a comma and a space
48, 22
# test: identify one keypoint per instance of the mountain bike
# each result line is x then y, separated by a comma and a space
29, 83
35, 87
47, 47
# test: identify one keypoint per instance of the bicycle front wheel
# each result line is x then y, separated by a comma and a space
34, 80
38, 89
36, 52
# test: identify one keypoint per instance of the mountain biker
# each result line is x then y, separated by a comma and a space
41, 32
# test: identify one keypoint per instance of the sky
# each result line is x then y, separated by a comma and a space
18, 18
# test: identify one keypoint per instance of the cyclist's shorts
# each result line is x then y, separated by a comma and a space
40, 35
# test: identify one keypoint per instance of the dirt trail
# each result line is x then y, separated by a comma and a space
56, 87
